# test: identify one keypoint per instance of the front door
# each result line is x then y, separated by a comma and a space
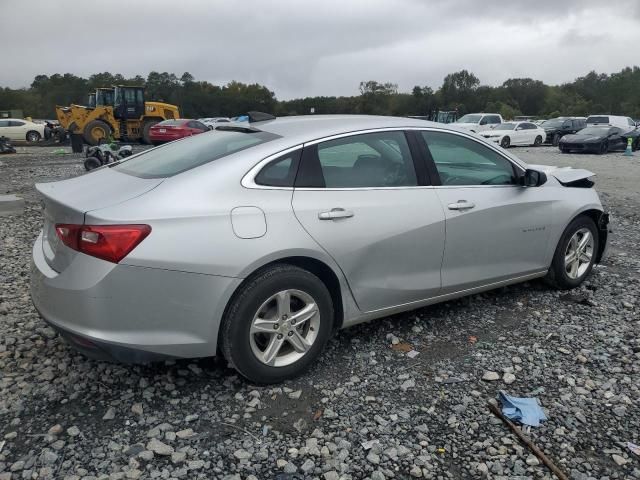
360, 198
496, 229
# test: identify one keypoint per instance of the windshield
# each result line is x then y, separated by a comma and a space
553, 123
506, 126
470, 118
594, 131
183, 155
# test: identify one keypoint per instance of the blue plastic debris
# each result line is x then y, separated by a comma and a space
524, 410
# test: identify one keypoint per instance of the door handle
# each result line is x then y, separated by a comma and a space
335, 213
461, 205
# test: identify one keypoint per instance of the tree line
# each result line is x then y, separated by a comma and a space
616, 93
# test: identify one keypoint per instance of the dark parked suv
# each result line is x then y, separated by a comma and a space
556, 128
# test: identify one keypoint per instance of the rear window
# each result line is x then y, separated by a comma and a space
171, 123
597, 119
182, 155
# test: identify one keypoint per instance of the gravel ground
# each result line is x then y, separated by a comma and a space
367, 409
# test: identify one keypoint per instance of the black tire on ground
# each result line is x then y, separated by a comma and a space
33, 136
505, 142
145, 130
235, 329
604, 148
635, 146
92, 163
556, 139
96, 130
538, 141
557, 275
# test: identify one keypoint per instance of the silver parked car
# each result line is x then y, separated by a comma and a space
258, 242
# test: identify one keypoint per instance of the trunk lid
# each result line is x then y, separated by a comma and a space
68, 201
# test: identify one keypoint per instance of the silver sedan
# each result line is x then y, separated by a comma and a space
259, 241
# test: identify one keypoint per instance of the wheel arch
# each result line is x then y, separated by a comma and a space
319, 268
601, 220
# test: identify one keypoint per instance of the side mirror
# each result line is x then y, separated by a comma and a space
533, 178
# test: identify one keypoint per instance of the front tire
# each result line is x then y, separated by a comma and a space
505, 142
277, 324
575, 254
556, 140
604, 148
33, 137
96, 131
91, 163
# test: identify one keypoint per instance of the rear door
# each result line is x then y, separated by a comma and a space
17, 130
496, 229
368, 204
4, 128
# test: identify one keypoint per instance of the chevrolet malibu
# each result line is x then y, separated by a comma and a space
258, 242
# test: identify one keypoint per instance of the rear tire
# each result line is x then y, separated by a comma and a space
33, 136
538, 141
505, 142
563, 274
96, 132
261, 301
92, 163
145, 131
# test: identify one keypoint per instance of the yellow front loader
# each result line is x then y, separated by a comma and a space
120, 113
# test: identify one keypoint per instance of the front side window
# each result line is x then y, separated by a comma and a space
631, 122
462, 161
360, 161
280, 172
492, 119
16, 123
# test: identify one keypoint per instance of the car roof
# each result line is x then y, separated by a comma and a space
309, 127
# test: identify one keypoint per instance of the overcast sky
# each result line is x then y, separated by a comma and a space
306, 47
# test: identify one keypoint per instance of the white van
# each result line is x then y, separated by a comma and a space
625, 123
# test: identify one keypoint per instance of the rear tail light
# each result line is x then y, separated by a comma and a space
107, 242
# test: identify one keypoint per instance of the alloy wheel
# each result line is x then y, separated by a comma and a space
579, 253
284, 328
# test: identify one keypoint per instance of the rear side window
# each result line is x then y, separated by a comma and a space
597, 119
462, 161
183, 155
359, 161
280, 172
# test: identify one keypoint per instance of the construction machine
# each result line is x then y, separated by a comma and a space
119, 113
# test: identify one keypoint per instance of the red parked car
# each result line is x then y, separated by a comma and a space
169, 130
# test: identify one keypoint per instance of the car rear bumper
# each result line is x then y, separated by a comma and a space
128, 313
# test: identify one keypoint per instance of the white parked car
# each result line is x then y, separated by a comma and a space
516, 133
625, 123
214, 122
18, 129
477, 122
